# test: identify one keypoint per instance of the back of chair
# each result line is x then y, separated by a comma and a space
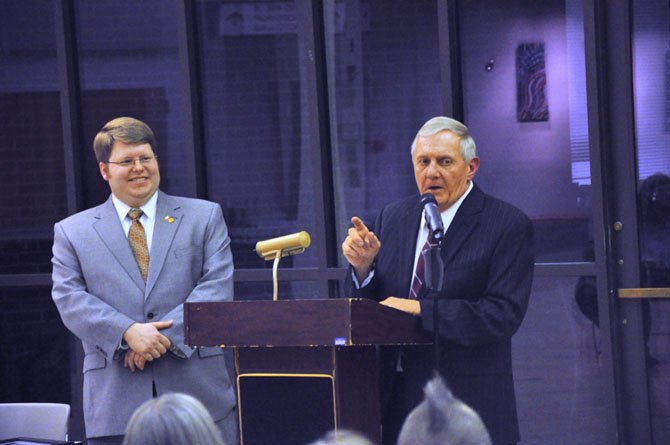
36, 420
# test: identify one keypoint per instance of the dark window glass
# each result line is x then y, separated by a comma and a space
383, 63
255, 119
651, 83
32, 169
288, 290
537, 161
35, 347
559, 373
129, 66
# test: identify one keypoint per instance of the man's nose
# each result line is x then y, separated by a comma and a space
137, 164
432, 168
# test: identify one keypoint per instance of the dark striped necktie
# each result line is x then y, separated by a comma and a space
419, 274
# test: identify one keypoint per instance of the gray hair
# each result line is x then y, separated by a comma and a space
172, 419
441, 123
342, 437
442, 419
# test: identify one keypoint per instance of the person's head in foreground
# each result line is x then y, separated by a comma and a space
442, 419
172, 419
342, 437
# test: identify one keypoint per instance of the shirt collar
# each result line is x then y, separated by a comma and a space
149, 208
449, 214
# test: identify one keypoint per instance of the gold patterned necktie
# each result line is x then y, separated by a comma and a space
138, 242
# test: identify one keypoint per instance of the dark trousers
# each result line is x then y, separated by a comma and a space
395, 410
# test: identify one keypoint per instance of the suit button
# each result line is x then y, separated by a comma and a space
150, 315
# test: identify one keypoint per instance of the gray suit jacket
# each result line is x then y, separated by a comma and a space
99, 292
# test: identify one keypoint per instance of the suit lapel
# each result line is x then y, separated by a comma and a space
410, 227
464, 224
110, 231
168, 218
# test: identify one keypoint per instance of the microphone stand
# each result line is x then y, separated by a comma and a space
434, 275
275, 283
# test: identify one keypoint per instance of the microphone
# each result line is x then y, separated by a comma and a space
433, 218
292, 244
433, 263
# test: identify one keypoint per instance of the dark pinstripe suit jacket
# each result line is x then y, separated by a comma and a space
488, 270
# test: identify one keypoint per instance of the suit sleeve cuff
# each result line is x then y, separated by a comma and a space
365, 282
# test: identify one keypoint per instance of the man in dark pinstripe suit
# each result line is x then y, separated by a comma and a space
488, 269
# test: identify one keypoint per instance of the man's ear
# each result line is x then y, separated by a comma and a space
473, 165
103, 171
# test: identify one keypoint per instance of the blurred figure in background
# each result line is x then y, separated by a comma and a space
654, 232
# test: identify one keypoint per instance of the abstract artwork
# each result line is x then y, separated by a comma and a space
531, 83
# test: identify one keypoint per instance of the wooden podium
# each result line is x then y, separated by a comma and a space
303, 366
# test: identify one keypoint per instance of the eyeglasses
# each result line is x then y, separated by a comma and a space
126, 163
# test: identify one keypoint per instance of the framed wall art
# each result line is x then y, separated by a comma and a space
531, 83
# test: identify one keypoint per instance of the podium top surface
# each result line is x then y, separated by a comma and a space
324, 322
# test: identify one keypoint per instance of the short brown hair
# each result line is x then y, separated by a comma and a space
125, 129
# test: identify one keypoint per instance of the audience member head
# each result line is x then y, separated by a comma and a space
441, 123
654, 199
124, 129
442, 419
172, 419
342, 437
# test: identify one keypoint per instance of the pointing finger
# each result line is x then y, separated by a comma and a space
360, 227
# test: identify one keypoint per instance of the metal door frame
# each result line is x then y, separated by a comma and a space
609, 80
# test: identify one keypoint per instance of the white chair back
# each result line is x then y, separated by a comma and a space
35, 420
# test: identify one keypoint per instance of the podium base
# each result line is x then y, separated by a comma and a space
285, 409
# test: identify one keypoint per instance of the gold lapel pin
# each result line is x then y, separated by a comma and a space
169, 219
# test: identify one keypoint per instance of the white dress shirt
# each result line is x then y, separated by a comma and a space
147, 219
447, 217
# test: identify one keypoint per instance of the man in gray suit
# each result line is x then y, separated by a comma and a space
121, 273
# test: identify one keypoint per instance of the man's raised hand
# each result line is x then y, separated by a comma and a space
360, 248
